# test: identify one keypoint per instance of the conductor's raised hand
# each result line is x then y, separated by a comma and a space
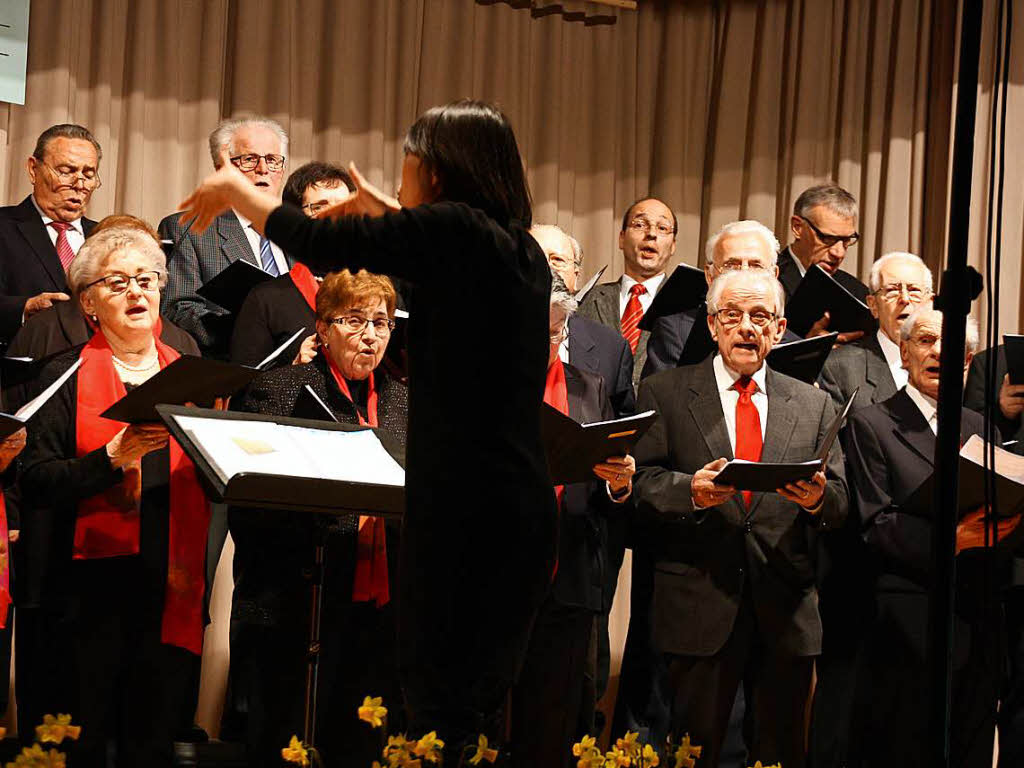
366, 200
223, 190
703, 488
135, 441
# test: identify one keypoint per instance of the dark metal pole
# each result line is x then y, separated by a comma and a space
960, 284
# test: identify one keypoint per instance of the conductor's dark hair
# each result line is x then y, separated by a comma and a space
64, 131
316, 172
471, 149
629, 213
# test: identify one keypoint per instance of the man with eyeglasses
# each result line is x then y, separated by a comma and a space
258, 147
824, 228
871, 366
647, 241
734, 596
41, 235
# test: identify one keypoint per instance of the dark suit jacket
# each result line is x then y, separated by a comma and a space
602, 306
975, 395
597, 349
858, 364
789, 276
272, 312
197, 259
29, 264
705, 559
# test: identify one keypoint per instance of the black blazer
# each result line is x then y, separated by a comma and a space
29, 264
789, 276
272, 312
705, 559
975, 394
597, 349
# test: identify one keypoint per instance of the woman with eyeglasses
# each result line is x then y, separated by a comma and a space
130, 517
274, 550
480, 527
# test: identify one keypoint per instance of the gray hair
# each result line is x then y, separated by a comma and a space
560, 296
742, 228
224, 134
726, 279
577, 251
829, 195
65, 131
87, 266
973, 337
875, 280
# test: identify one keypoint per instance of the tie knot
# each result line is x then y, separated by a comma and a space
745, 385
637, 289
60, 226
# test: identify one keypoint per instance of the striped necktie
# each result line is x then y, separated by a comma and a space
267, 258
63, 246
632, 315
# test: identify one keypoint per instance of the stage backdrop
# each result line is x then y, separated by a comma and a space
724, 108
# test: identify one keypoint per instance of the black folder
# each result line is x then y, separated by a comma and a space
802, 359
686, 288
309, 406
573, 449
699, 343
765, 476
12, 422
231, 285
1009, 493
587, 286
1013, 346
250, 489
819, 293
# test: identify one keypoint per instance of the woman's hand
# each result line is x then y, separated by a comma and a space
223, 190
135, 441
366, 200
617, 471
10, 447
307, 351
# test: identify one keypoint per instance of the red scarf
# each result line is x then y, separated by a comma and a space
371, 577
5, 563
556, 394
108, 523
306, 284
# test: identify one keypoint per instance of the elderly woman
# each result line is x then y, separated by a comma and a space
274, 551
131, 518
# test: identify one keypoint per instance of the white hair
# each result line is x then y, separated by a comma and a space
742, 228
927, 308
875, 280
87, 266
726, 280
224, 134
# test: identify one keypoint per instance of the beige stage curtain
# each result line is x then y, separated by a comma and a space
725, 108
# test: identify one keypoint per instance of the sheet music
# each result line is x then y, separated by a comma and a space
1007, 464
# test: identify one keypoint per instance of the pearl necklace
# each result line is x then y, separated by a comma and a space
136, 369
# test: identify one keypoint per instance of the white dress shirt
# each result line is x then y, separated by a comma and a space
927, 405
75, 235
893, 360
726, 378
254, 242
651, 284
799, 264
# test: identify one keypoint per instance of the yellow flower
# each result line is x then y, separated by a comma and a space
628, 744
35, 757
618, 759
56, 729
649, 757
687, 753
295, 752
758, 765
483, 752
429, 747
372, 712
585, 745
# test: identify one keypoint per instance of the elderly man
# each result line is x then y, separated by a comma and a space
647, 241
891, 447
40, 235
258, 147
734, 595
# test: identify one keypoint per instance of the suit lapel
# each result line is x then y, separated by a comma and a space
877, 373
911, 427
574, 389
782, 417
233, 242
706, 410
607, 303
31, 227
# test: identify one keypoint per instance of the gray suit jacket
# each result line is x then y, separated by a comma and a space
860, 364
705, 559
602, 305
197, 259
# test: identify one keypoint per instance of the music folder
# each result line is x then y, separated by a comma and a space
582, 292
686, 288
573, 449
229, 287
802, 359
819, 293
1013, 347
280, 462
12, 422
309, 406
767, 476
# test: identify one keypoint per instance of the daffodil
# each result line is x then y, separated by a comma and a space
616, 758
55, 729
373, 711
429, 747
484, 752
649, 757
628, 744
758, 765
585, 744
295, 752
35, 757
687, 753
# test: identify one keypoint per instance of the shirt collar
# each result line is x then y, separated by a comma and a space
76, 224
890, 350
799, 264
927, 405
242, 220
651, 284
725, 377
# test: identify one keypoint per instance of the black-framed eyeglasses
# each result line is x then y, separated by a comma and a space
382, 326
118, 282
313, 209
68, 176
640, 224
730, 317
915, 293
250, 161
828, 240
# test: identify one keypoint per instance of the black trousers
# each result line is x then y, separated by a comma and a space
702, 690
546, 700
1011, 712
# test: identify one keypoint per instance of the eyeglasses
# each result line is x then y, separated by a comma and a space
68, 176
118, 282
640, 224
828, 241
730, 318
915, 293
250, 161
559, 336
356, 324
314, 208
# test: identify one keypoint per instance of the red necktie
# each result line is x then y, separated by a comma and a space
63, 246
748, 425
631, 317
